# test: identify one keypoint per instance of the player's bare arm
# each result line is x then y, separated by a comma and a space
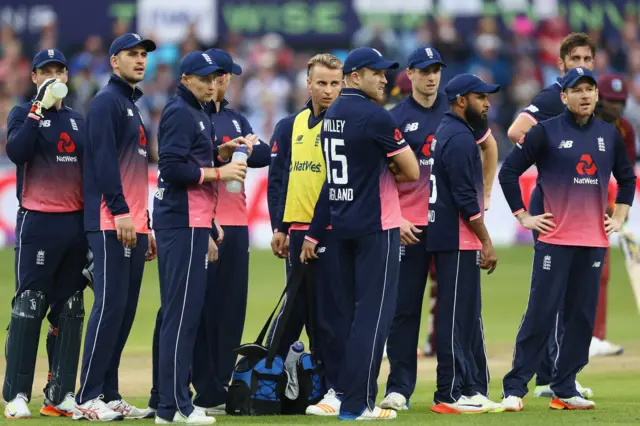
407, 164
489, 155
520, 127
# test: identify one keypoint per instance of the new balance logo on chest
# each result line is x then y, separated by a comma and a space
411, 127
565, 144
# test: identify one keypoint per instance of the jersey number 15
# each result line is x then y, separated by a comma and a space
332, 156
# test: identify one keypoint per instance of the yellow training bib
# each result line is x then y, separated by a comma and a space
307, 172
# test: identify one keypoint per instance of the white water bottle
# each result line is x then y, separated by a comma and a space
291, 369
239, 155
59, 90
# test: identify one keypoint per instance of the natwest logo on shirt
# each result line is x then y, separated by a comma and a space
586, 166
66, 145
304, 166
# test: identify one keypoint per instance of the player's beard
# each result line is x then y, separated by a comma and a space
474, 118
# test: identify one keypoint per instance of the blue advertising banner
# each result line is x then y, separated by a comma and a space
303, 23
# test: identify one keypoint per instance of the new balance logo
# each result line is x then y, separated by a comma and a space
411, 127
321, 250
129, 112
40, 258
601, 144
565, 144
596, 265
44, 123
532, 108
32, 304
546, 263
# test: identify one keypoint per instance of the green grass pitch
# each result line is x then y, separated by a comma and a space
615, 380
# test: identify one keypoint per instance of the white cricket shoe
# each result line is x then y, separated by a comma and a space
17, 408
129, 411
493, 407
512, 403
95, 410
464, 405
212, 411
603, 348
328, 406
585, 392
64, 409
376, 414
196, 418
543, 391
394, 401
573, 403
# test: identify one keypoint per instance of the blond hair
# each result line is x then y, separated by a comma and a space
326, 60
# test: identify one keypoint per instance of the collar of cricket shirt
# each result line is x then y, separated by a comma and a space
440, 97
313, 119
458, 118
134, 93
571, 119
189, 97
353, 92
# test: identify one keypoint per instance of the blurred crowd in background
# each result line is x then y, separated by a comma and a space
521, 58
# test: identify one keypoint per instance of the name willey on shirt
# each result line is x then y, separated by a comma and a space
336, 194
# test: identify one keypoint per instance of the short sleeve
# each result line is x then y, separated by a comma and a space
385, 132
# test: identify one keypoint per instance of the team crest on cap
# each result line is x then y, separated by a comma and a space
580, 71
51, 53
137, 36
207, 58
429, 52
616, 85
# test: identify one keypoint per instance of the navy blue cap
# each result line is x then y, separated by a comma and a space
46, 56
574, 75
198, 63
367, 57
129, 40
462, 84
423, 57
224, 61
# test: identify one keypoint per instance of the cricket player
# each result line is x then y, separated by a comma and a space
460, 244
45, 141
182, 219
418, 117
222, 322
116, 220
575, 154
576, 50
301, 161
612, 96
360, 139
